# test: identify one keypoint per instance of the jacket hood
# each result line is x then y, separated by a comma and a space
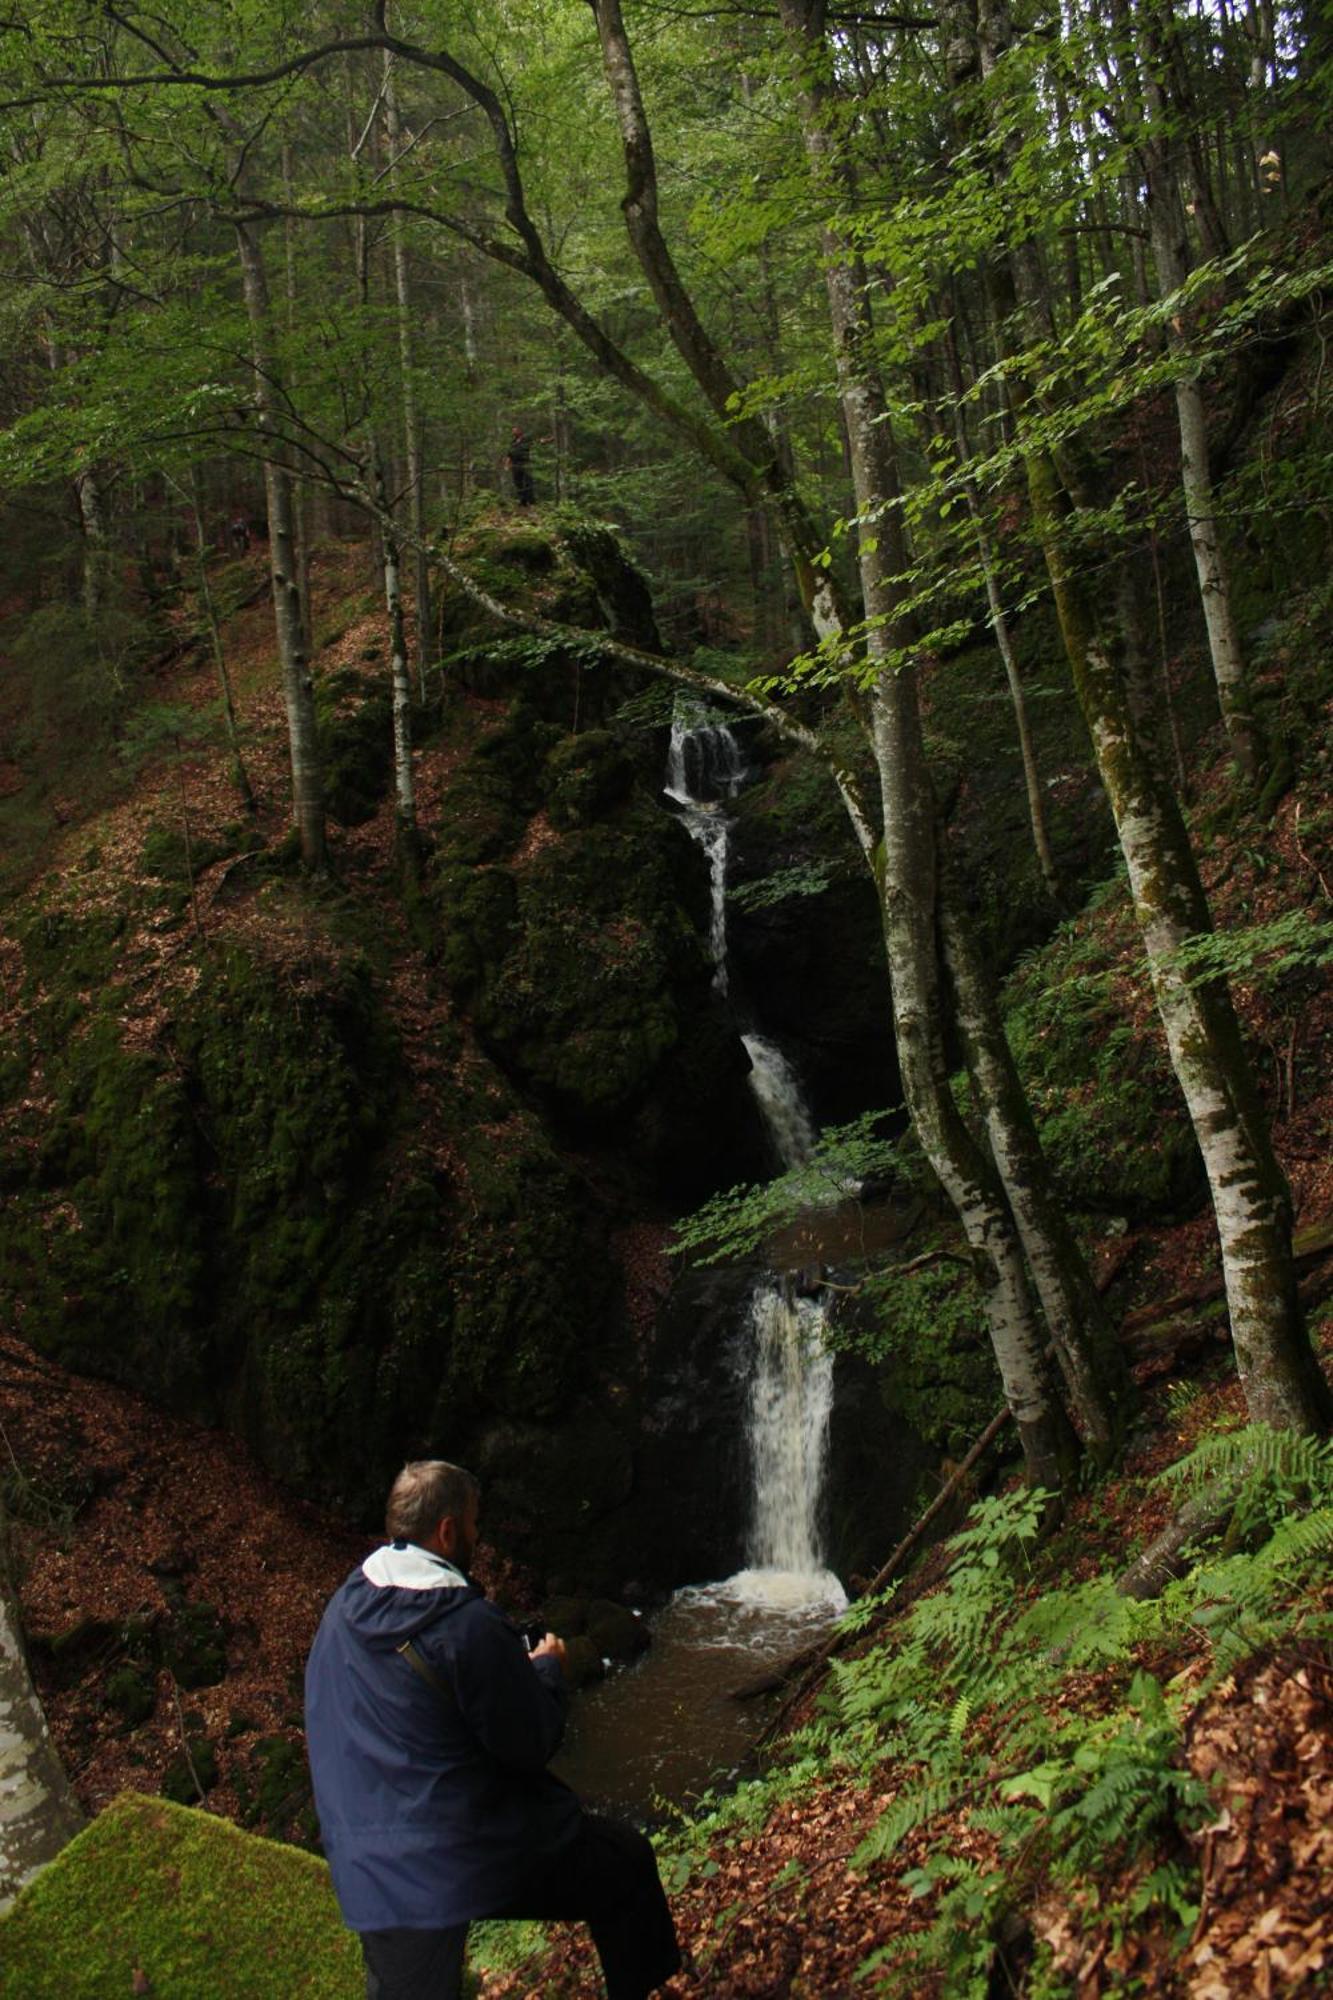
400, 1589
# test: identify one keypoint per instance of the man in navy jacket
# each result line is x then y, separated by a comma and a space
429, 1726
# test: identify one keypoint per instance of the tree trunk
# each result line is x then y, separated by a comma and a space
404, 786
1085, 1341
906, 865
297, 684
412, 441
38, 1811
1279, 1374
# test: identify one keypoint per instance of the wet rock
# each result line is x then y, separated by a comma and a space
617, 1632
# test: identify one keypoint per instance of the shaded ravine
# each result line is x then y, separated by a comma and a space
670, 1727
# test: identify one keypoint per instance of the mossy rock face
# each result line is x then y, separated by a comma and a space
106, 1240
240, 1231
587, 1003
587, 777
155, 1898
355, 725
565, 568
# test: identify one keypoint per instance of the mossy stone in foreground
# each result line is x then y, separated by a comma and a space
201, 1910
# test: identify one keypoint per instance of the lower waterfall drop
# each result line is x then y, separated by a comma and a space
789, 1406
791, 1401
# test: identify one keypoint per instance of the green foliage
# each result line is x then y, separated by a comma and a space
1025, 1708
738, 1222
927, 1329
1101, 1088
806, 879
1261, 955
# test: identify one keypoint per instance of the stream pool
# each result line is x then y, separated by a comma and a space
660, 1733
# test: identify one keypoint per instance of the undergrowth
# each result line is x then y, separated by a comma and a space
1034, 1730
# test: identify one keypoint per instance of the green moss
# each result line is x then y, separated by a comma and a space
132, 1694
586, 1005
586, 777
195, 1645
1108, 1111
187, 1775
112, 1273
167, 855
355, 723
187, 1901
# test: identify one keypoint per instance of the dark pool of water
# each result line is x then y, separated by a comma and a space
667, 1729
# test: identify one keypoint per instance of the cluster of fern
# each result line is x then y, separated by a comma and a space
1020, 1716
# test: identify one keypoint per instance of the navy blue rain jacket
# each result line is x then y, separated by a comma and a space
433, 1809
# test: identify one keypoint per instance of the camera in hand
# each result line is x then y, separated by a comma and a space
532, 1636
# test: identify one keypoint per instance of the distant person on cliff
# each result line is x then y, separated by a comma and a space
429, 1726
519, 460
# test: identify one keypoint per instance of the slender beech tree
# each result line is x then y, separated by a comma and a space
1279, 1373
293, 654
39, 1813
1146, 32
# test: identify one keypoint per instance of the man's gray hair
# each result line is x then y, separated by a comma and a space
423, 1493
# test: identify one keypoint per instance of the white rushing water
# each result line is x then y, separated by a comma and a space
671, 1726
705, 768
778, 1091
790, 1403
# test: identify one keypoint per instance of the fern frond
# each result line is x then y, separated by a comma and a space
1257, 1450
902, 1818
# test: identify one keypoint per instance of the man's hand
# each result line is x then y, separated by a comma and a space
550, 1648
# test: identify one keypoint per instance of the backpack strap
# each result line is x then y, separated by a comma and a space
428, 1674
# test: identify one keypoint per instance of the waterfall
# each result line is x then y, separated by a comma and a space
791, 1401
777, 1089
705, 767
790, 1370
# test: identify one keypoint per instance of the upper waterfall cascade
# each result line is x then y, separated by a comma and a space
706, 767
790, 1382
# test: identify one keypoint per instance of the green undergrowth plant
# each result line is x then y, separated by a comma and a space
738, 1222
1032, 1731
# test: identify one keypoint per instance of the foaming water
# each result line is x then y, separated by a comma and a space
671, 1727
661, 1733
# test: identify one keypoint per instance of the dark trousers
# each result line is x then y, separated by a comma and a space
607, 1878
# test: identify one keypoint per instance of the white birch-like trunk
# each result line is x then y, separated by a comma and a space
404, 784
38, 1811
297, 684
907, 874
412, 440
1251, 1203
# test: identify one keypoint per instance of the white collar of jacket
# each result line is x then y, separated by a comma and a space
411, 1568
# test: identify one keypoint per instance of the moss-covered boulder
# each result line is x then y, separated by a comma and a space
247, 1220
567, 569
155, 1898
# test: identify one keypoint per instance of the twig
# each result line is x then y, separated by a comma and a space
185, 1743
1304, 857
